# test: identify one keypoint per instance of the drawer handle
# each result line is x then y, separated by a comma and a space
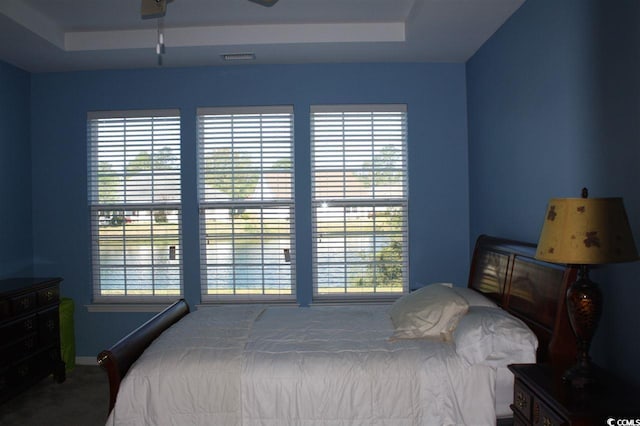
28, 324
51, 325
49, 295
546, 421
521, 401
25, 303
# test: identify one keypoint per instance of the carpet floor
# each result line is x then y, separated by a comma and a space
81, 400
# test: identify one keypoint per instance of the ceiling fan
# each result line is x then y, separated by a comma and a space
151, 9
267, 3
156, 9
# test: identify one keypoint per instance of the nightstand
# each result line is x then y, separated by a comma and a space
541, 398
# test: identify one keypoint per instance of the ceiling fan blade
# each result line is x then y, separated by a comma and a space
267, 3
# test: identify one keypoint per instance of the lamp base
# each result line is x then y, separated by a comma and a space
580, 377
584, 306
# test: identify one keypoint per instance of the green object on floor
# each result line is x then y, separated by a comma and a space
67, 333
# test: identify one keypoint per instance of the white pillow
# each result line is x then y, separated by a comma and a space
475, 298
432, 311
493, 337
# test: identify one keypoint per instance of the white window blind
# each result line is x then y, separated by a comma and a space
246, 203
359, 200
135, 203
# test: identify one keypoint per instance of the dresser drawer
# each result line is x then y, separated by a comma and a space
17, 329
26, 372
19, 349
48, 326
522, 400
545, 416
48, 296
22, 303
5, 309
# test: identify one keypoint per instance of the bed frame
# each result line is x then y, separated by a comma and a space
118, 358
507, 272
503, 270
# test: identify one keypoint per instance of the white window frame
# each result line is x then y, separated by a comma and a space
223, 272
334, 190
152, 197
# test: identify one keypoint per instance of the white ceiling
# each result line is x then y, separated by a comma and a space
65, 35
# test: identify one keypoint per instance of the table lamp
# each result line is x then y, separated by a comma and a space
582, 232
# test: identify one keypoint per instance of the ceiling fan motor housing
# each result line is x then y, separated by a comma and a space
267, 3
153, 9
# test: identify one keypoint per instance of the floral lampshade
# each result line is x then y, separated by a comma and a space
586, 231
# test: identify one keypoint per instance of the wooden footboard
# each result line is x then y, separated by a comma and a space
118, 358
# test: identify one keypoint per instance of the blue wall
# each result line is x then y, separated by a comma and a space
438, 166
15, 173
554, 105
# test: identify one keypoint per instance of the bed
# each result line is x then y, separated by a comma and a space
358, 364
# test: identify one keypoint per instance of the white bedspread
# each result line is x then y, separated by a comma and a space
190, 375
247, 366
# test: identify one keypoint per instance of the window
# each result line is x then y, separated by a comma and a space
246, 201
134, 197
359, 200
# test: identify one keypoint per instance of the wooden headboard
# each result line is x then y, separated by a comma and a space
507, 272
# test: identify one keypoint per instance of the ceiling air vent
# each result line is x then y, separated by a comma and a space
239, 56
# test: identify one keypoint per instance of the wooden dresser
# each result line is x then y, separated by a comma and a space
29, 333
541, 398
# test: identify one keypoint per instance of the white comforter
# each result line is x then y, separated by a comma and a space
247, 365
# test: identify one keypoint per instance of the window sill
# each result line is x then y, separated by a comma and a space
205, 305
319, 300
126, 307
